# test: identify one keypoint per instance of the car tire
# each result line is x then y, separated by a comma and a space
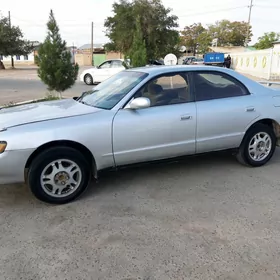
258, 146
59, 175
88, 79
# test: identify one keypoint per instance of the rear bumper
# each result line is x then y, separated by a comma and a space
12, 165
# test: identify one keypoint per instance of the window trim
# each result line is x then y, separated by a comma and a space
107, 61
189, 80
219, 73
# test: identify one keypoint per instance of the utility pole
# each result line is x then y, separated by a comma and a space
10, 24
91, 49
73, 52
249, 21
9, 19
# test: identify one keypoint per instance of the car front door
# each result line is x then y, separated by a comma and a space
103, 72
225, 108
166, 129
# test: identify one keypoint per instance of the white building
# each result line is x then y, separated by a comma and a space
264, 64
19, 58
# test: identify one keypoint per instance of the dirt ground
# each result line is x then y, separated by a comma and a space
205, 218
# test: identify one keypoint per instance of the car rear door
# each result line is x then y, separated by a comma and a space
164, 130
225, 108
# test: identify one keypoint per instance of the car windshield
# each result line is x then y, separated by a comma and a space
108, 93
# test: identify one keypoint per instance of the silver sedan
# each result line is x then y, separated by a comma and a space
138, 115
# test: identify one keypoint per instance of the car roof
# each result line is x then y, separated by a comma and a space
113, 59
161, 69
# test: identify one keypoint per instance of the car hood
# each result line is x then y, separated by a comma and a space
42, 111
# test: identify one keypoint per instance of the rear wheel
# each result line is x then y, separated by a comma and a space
59, 175
258, 146
88, 79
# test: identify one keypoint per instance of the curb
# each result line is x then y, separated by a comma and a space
27, 102
20, 103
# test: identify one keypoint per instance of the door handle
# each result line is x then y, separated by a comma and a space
250, 109
184, 118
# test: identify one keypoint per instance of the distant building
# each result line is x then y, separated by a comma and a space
28, 59
83, 55
86, 48
231, 49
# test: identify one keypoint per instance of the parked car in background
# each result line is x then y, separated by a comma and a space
187, 60
102, 72
138, 115
192, 60
197, 61
156, 62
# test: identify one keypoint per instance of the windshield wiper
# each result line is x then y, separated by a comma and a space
85, 103
85, 94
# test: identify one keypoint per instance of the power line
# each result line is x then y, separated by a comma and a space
267, 7
62, 23
213, 7
214, 11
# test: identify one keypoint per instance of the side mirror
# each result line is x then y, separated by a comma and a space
140, 103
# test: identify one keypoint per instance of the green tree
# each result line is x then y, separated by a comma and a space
54, 60
231, 33
204, 42
138, 52
195, 38
157, 27
12, 41
266, 41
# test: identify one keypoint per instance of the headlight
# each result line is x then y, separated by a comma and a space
3, 146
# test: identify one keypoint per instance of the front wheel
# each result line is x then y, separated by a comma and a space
258, 146
58, 175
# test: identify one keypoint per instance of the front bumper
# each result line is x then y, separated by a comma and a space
12, 165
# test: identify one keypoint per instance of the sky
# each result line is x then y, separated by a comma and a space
74, 18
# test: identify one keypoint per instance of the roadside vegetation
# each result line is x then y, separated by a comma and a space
56, 69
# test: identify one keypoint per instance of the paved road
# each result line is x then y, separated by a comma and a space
204, 218
22, 90
22, 85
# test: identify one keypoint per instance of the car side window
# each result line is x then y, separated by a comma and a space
116, 64
105, 65
216, 85
167, 90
